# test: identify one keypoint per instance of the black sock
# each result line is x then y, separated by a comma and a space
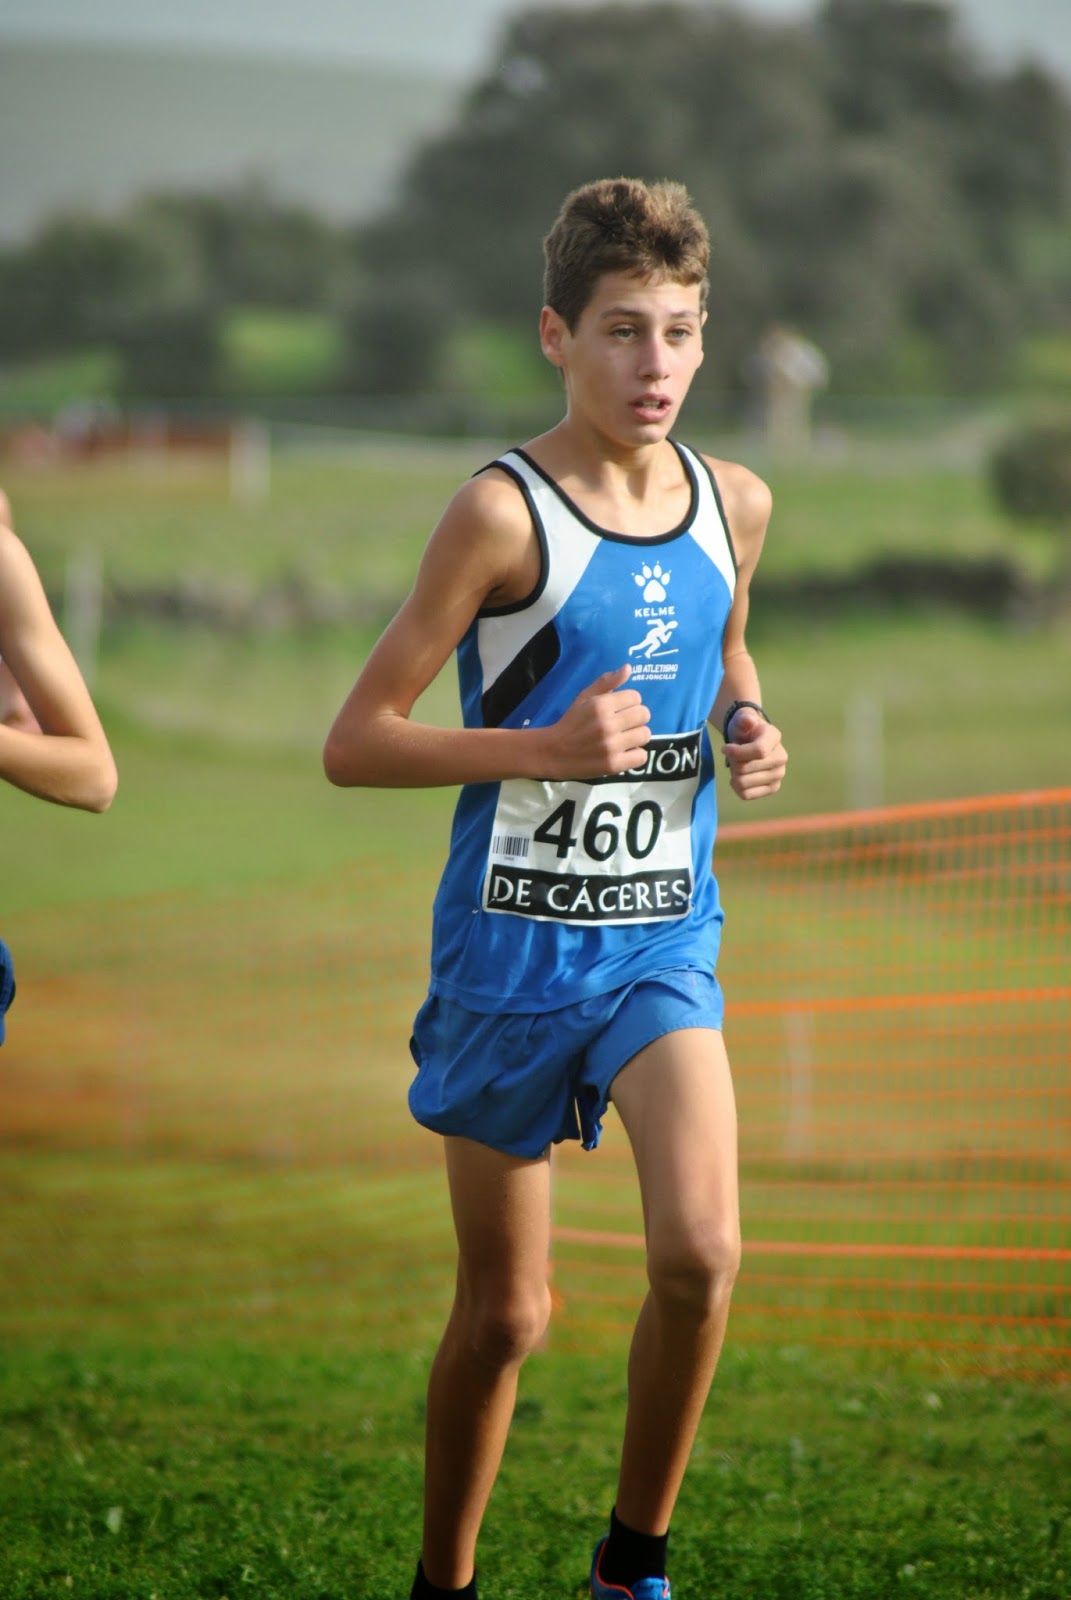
423, 1590
630, 1555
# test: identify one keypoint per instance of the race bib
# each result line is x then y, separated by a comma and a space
608, 850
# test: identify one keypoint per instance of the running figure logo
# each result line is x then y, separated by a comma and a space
659, 633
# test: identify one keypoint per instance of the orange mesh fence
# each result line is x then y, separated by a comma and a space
899, 1022
202, 1098
899, 1001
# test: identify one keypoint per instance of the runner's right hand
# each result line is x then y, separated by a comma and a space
604, 731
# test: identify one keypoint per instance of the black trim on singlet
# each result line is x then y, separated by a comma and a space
709, 470
541, 535
606, 533
527, 669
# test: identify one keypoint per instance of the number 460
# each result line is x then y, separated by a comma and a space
602, 833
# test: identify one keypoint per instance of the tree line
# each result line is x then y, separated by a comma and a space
865, 175
155, 284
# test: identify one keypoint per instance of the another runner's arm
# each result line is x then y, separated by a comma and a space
473, 558
14, 707
753, 751
68, 760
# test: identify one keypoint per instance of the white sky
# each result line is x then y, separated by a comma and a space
453, 37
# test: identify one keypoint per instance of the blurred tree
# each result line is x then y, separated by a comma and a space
258, 250
394, 338
1031, 475
987, 155
866, 179
166, 327
168, 353
60, 292
863, 176
156, 282
889, 61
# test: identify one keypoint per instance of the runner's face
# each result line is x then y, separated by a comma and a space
631, 359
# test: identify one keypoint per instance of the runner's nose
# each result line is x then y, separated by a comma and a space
654, 362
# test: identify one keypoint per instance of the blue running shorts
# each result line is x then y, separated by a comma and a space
7, 984
519, 1081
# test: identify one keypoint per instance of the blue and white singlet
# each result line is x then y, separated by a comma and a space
557, 891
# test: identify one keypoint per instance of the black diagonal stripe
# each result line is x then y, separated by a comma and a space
529, 667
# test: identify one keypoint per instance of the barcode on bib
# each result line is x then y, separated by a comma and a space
511, 844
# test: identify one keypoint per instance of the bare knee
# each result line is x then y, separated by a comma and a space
501, 1330
694, 1271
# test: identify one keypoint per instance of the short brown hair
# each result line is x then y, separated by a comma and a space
622, 225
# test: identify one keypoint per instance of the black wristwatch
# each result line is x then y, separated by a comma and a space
738, 705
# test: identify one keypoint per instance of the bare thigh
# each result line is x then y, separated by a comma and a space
676, 1101
501, 1207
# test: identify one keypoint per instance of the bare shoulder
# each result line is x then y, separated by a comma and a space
18, 575
493, 498
748, 503
11, 546
486, 531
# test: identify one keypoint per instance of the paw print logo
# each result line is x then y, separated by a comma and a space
652, 580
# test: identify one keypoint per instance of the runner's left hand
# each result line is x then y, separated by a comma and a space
755, 756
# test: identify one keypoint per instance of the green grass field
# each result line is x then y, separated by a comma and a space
226, 1254
226, 1467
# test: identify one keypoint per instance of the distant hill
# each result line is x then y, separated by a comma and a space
93, 125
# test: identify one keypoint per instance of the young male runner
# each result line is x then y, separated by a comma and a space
595, 587
51, 741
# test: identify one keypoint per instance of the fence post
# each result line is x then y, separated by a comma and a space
864, 751
250, 463
82, 611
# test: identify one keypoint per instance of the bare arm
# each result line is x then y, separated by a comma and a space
14, 708
68, 759
473, 558
754, 754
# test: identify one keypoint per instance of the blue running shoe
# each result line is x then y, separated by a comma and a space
642, 1589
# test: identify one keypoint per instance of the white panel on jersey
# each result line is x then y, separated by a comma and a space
570, 547
708, 529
